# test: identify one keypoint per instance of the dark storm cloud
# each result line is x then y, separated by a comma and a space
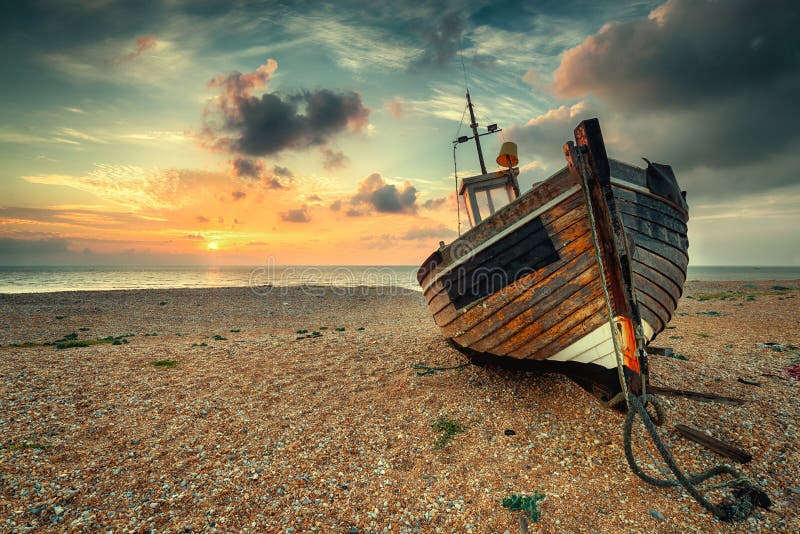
375, 194
298, 215
708, 87
70, 23
333, 159
283, 172
716, 81
687, 52
442, 42
271, 123
247, 168
255, 169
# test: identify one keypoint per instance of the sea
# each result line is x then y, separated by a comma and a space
39, 279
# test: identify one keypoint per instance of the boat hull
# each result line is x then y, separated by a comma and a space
525, 285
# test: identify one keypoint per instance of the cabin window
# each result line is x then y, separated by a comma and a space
486, 194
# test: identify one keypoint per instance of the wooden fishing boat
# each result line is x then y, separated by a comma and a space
576, 275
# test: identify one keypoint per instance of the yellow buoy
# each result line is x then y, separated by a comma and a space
508, 155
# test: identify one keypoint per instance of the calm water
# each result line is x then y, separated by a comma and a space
79, 278
41, 279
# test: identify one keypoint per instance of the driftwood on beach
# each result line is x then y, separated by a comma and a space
720, 447
696, 395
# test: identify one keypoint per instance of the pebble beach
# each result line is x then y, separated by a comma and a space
298, 410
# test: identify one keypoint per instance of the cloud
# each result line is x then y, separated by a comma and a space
354, 45
441, 43
92, 217
202, 219
154, 62
31, 250
272, 183
543, 135
428, 232
239, 121
375, 194
255, 169
433, 203
675, 57
298, 215
332, 159
69, 132
238, 195
707, 83
485, 62
395, 107
283, 172
247, 168
73, 251
135, 187
336, 205
531, 77
194, 237
142, 44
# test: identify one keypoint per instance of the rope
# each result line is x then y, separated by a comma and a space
599, 259
427, 370
746, 496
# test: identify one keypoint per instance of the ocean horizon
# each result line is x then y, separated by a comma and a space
49, 278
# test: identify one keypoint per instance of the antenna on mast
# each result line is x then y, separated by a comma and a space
492, 128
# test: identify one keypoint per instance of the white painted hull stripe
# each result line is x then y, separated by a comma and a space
633, 187
595, 347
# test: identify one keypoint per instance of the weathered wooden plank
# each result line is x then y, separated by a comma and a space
538, 196
678, 257
661, 316
503, 307
657, 232
646, 213
720, 447
530, 248
664, 299
666, 284
568, 290
659, 351
696, 395
563, 307
501, 265
657, 204
652, 319
572, 240
555, 221
590, 317
648, 260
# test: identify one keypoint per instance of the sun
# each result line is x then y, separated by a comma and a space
212, 245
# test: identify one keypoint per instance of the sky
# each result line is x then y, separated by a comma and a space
238, 132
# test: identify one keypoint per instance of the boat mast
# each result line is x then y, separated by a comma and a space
474, 126
492, 128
